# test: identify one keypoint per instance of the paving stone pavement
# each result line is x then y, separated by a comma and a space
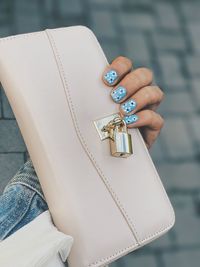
162, 35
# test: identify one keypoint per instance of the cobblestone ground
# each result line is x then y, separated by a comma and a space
163, 35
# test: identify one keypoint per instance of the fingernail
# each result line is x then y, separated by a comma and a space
128, 106
111, 76
130, 119
119, 93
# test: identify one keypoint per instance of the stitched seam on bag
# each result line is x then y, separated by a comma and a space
30, 34
139, 135
81, 138
148, 155
110, 259
94, 161
161, 185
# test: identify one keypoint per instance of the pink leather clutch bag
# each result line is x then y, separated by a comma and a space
111, 205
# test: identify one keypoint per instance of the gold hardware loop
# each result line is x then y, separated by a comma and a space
117, 121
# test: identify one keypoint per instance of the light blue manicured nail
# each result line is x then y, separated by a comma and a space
111, 76
119, 93
130, 119
128, 106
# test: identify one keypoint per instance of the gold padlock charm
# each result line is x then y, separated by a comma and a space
114, 128
120, 140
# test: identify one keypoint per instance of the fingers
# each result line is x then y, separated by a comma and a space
133, 81
147, 118
138, 99
149, 122
145, 97
117, 70
149, 136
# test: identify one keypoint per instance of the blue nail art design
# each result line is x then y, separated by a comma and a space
128, 106
118, 93
131, 119
111, 76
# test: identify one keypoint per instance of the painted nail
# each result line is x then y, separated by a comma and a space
130, 119
111, 76
118, 94
128, 106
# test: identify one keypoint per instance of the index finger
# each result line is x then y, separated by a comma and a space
117, 70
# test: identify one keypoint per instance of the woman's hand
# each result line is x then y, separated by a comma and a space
137, 98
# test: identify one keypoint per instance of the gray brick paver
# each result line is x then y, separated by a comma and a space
9, 165
137, 21
178, 145
191, 12
192, 65
174, 103
166, 16
187, 223
169, 41
180, 176
171, 70
7, 110
184, 258
106, 3
195, 92
194, 31
101, 19
194, 124
142, 261
10, 137
136, 47
73, 7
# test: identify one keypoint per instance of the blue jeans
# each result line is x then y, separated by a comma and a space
22, 200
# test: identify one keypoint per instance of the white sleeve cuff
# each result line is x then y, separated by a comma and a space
39, 243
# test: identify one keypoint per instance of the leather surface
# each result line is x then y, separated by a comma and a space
110, 206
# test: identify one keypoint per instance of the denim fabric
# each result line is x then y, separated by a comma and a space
26, 175
21, 201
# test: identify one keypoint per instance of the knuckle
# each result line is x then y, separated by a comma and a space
151, 115
154, 94
155, 119
149, 93
160, 93
145, 74
125, 61
161, 121
134, 78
